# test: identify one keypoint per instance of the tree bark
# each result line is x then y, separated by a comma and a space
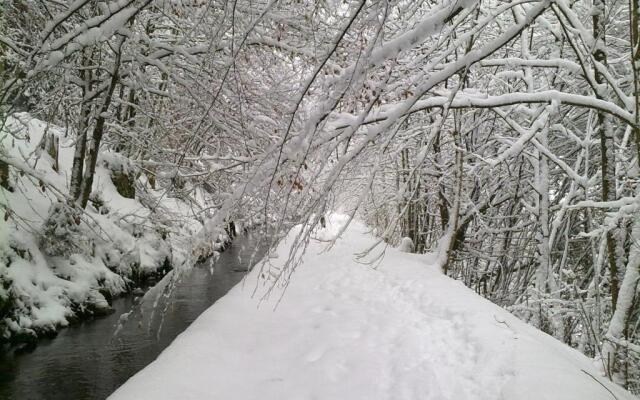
624, 307
51, 147
4, 175
452, 234
604, 131
98, 130
81, 137
443, 205
624, 301
635, 62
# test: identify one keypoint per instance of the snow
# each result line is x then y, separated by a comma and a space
464, 100
344, 329
51, 268
406, 245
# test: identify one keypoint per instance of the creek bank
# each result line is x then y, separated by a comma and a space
87, 361
60, 263
97, 307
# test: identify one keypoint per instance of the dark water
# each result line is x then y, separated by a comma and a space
87, 361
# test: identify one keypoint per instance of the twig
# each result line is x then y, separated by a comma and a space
601, 384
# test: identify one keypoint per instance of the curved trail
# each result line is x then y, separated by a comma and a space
345, 330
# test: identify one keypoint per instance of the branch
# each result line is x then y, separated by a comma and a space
469, 101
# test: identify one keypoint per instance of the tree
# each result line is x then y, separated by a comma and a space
499, 135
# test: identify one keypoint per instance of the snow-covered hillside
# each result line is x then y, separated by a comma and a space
58, 263
346, 330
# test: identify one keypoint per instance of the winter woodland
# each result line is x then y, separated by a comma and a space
501, 135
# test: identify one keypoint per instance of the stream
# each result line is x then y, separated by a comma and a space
87, 362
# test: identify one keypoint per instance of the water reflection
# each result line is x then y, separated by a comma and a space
86, 361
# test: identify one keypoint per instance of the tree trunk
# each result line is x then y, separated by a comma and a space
4, 175
51, 147
635, 62
452, 233
543, 273
604, 131
442, 199
81, 138
624, 302
624, 307
98, 131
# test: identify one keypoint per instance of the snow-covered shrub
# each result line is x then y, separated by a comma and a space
111, 255
5, 286
4, 174
61, 234
124, 183
98, 203
406, 245
58, 262
123, 173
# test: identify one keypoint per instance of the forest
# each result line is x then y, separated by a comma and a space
501, 136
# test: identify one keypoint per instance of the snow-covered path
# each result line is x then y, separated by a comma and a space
347, 331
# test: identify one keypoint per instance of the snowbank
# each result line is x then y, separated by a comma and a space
344, 330
59, 263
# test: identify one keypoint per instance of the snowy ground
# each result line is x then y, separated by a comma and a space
344, 330
113, 242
